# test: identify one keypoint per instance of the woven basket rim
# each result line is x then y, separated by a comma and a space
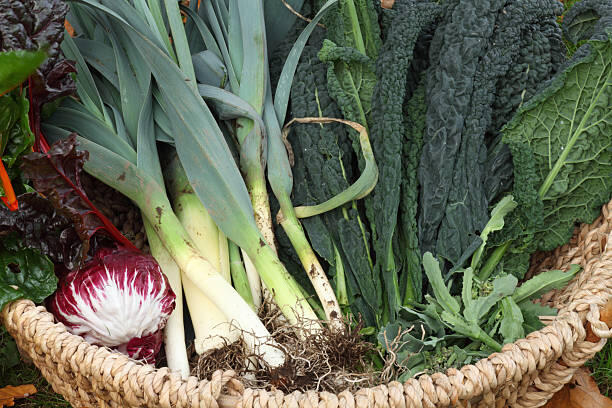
525, 373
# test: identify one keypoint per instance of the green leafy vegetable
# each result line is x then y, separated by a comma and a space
511, 327
40, 226
544, 282
16, 66
560, 142
470, 57
24, 273
56, 174
16, 138
388, 133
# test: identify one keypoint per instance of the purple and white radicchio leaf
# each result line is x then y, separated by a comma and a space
120, 299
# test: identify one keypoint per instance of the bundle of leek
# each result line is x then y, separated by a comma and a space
136, 88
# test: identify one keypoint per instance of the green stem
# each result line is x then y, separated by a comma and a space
239, 276
552, 175
288, 220
488, 340
492, 261
174, 332
287, 293
256, 185
355, 28
151, 198
341, 291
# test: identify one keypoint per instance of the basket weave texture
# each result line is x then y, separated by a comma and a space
525, 373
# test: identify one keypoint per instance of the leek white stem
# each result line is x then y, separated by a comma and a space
211, 326
313, 268
203, 275
174, 332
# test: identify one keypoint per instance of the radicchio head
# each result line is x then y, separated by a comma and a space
120, 299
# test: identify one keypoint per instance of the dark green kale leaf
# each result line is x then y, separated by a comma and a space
354, 24
463, 165
24, 273
324, 165
411, 279
351, 81
541, 54
458, 45
587, 19
387, 136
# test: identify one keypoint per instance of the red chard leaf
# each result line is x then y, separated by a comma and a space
41, 227
34, 25
56, 175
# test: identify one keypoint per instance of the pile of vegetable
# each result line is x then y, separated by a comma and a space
387, 169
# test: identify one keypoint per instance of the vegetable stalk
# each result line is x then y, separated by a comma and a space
211, 326
151, 199
174, 332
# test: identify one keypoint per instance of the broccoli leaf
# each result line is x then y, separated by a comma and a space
502, 286
544, 282
511, 327
531, 312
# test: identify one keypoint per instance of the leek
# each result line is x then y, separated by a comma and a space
211, 326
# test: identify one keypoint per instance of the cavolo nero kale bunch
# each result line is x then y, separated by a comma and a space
490, 144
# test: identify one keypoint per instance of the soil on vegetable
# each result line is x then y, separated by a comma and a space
327, 360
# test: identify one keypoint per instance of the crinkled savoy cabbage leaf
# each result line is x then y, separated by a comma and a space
561, 143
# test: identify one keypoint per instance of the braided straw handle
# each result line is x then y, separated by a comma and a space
524, 374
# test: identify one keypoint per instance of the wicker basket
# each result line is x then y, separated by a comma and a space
525, 374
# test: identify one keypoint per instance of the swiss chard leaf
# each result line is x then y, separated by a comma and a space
16, 66
41, 227
15, 134
56, 174
24, 273
32, 25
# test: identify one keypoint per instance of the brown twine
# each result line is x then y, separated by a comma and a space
525, 373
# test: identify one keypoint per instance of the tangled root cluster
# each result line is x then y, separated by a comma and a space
327, 360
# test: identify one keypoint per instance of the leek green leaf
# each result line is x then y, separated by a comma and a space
360, 188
